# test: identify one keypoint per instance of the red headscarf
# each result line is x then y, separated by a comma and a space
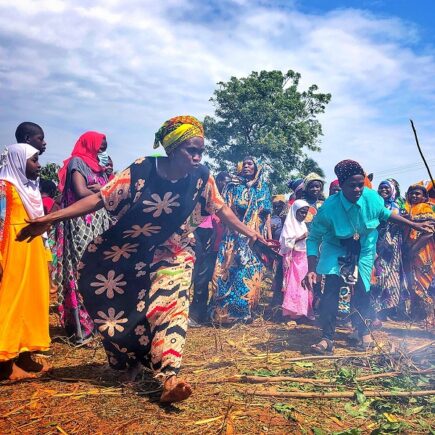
86, 148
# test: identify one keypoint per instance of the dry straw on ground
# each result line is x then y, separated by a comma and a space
232, 371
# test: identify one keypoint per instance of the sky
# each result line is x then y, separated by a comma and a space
124, 67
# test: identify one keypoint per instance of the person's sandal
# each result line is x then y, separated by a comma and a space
323, 347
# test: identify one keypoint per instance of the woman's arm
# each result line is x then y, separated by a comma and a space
39, 226
268, 227
79, 185
414, 248
425, 227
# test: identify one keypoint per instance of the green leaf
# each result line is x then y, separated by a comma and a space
353, 431
415, 410
360, 397
318, 431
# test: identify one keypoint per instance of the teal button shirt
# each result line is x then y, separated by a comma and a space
340, 219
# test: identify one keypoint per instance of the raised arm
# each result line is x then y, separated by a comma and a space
39, 226
425, 227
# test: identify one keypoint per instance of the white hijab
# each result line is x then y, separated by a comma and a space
293, 229
13, 162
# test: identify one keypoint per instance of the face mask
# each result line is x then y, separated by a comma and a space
103, 158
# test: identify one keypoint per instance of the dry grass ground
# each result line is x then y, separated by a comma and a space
81, 395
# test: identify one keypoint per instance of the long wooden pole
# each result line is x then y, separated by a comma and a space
338, 394
421, 153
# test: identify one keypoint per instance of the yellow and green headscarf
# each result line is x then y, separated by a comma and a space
177, 130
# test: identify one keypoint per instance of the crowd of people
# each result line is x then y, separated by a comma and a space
128, 253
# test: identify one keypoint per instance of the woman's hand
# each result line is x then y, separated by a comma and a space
309, 281
304, 236
35, 228
254, 237
425, 227
95, 188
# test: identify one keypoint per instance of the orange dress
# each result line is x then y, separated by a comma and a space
24, 289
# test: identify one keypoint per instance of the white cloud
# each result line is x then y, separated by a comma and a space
124, 67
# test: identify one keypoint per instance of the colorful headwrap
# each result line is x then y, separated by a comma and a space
239, 167
346, 169
333, 184
296, 185
392, 187
258, 175
313, 177
394, 202
177, 130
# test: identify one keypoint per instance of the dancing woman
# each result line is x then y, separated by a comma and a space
135, 277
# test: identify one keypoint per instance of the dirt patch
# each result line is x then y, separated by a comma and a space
82, 395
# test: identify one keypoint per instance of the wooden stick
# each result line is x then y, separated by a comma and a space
419, 348
338, 394
320, 357
264, 379
421, 154
319, 382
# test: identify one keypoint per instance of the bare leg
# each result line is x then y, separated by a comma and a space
25, 362
175, 390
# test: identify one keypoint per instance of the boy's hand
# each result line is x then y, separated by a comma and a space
309, 281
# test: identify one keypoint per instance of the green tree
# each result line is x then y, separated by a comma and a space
50, 171
266, 116
310, 165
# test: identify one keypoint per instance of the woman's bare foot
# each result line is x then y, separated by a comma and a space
131, 374
19, 374
175, 390
25, 362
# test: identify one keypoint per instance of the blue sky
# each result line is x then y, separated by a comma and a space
123, 67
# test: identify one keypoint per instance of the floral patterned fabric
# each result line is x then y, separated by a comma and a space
389, 284
135, 276
239, 271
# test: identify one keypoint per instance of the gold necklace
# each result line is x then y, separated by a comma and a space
356, 234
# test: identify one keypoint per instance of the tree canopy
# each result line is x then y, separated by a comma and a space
50, 171
265, 115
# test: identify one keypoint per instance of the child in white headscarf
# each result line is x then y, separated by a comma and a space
24, 285
297, 300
